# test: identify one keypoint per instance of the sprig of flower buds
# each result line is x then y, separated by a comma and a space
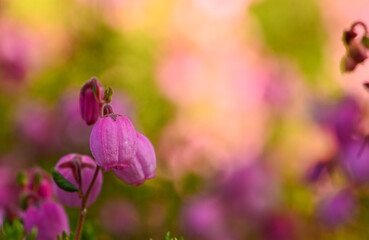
356, 50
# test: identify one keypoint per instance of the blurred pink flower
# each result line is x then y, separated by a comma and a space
203, 218
338, 209
8, 189
42, 186
35, 124
49, 218
15, 56
73, 132
252, 191
280, 227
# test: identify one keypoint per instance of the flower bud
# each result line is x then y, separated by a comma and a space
348, 64
89, 100
357, 51
39, 182
338, 209
348, 36
50, 220
142, 166
113, 142
79, 170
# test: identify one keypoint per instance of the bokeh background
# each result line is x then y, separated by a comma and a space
229, 92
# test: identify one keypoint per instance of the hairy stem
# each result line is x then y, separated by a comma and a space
83, 212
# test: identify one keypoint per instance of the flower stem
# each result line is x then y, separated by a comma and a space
362, 25
83, 212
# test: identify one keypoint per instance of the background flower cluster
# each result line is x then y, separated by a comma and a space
257, 133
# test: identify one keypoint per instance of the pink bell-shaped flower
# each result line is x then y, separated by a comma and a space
89, 100
79, 170
142, 166
49, 218
113, 142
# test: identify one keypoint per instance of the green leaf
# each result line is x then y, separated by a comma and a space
365, 41
33, 234
21, 179
62, 182
65, 235
107, 95
14, 230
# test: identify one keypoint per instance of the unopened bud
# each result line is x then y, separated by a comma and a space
357, 52
348, 64
348, 36
89, 100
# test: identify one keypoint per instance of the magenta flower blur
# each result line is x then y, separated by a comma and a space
78, 169
204, 218
42, 186
252, 191
8, 189
338, 209
354, 161
113, 142
72, 130
49, 218
342, 119
14, 53
279, 227
89, 102
142, 166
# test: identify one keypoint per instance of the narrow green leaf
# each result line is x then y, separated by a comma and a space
21, 179
94, 89
62, 182
65, 236
33, 234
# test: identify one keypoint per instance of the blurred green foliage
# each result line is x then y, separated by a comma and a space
294, 29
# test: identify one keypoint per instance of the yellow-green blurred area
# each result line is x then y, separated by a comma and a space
216, 85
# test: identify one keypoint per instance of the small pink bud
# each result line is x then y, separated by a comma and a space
77, 169
348, 36
142, 167
89, 99
113, 142
357, 51
50, 220
39, 182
